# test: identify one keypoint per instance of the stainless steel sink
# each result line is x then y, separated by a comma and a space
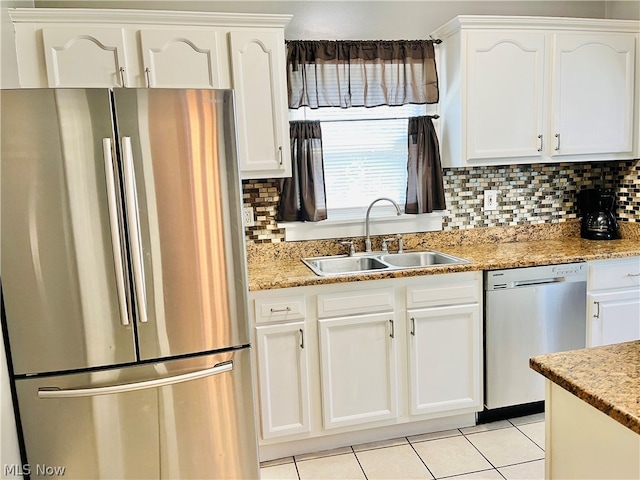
378, 262
337, 265
420, 259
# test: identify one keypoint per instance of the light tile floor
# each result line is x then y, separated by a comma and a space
508, 449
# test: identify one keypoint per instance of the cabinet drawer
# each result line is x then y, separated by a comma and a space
430, 295
278, 309
356, 302
619, 273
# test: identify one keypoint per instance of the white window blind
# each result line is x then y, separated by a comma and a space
365, 156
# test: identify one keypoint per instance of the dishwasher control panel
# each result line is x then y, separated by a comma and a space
530, 276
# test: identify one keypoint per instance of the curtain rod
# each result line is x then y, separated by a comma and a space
435, 117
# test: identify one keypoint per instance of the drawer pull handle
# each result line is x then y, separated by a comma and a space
540, 147
557, 149
413, 326
393, 333
633, 274
597, 314
301, 338
280, 310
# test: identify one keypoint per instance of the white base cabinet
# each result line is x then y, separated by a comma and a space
613, 301
68, 47
378, 355
513, 90
358, 369
442, 374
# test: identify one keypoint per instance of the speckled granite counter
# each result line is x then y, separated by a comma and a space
279, 265
607, 377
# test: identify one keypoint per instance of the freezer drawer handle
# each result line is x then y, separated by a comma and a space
55, 392
115, 229
134, 228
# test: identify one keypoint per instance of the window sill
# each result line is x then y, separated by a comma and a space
388, 225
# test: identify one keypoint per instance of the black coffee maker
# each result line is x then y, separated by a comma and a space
597, 206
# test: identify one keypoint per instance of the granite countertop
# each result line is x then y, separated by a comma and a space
606, 377
280, 265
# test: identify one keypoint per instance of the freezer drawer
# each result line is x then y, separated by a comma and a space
189, 418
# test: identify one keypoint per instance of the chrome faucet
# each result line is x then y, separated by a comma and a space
367, 241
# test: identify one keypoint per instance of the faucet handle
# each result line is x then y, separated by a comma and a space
398, 238
352, 249
385, 248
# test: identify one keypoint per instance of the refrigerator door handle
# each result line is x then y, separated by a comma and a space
115, 230
134, 228
55, 392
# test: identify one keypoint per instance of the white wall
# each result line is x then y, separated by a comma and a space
385, 20
623, 9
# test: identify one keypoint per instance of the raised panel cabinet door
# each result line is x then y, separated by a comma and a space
613, 317
593, 97
85, 57
505, 88
358, 369
258, 74
445, 359
181, 58
283, 379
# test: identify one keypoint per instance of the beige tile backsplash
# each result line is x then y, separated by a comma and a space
528, 195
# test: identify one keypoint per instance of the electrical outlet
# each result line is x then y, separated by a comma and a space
490, 200
247, 217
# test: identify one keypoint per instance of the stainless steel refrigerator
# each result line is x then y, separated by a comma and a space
124, 283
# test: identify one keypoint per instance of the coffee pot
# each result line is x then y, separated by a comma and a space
597, 206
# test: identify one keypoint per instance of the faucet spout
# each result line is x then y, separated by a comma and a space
367, 241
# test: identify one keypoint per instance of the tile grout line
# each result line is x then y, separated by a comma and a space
419, 457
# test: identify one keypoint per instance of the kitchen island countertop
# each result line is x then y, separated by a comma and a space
606, 377
496, 248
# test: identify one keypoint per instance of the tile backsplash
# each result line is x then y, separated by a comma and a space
528, 194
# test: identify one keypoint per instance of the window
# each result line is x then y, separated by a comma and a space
365, 156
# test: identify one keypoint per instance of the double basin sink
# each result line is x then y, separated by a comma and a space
379, 262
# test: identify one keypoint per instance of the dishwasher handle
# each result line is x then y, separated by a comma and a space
538, 281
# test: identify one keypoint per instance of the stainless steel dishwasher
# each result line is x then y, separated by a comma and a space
528, 312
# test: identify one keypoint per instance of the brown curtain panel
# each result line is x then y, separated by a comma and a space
361, 73
425, 185
303, 196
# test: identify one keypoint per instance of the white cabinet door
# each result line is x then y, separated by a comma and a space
613, 317
282, 379
505, 87
182, 58
81, 57
445, 359
358, 369
258, 72
593, 93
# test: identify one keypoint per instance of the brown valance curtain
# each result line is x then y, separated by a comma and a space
361, 73
425, 185
303, 196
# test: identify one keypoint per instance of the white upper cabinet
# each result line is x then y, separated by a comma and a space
75, 57
533, 89
179, 58
593, 93
68, 47
505, 106
258, 72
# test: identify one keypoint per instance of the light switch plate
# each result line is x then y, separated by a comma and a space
490, 200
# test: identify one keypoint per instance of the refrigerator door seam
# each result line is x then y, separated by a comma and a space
54, 392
